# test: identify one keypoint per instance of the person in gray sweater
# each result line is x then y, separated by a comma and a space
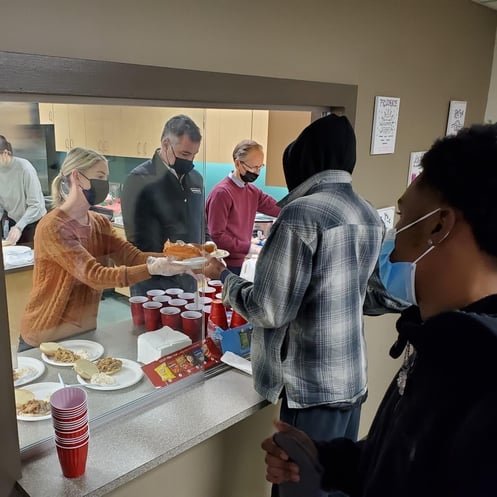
21, 199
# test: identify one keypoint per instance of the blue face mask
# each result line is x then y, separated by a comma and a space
398, 278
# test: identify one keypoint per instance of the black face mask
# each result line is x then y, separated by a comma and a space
249, 177
98, 191
181, 166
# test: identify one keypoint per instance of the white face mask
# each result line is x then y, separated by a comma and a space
398, 278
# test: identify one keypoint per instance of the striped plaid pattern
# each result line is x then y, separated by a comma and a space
307, 298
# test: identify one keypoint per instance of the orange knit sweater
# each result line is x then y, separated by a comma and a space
73, 264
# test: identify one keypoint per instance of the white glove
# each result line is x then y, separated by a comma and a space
165, 266
14, 235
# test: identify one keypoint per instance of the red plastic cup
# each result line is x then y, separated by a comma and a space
155, 293
179, 303
192, 324
216, 284
218, 314
205, 300
207, 291
171, 316
194, 307
137, 309
163, 299
206, 310
189, 297
237, 320
152, 315
174, 292
73, 460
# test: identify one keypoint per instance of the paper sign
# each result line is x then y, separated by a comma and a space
415, 166
387, 215
386, 116
457, 114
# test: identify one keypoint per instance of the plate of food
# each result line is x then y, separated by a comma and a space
28, 369
33, 403
219, 254
108, 373
66, 353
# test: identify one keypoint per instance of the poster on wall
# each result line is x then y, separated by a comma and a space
387, 215
415, 166
386, 116
457, 114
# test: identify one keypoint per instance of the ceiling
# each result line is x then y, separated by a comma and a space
492, 4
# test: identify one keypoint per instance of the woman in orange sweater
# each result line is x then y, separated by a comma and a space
78, 255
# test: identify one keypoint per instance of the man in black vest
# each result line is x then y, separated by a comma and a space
163, 198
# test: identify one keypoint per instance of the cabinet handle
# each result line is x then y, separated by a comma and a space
50, 116
67, 143
138, 148
71, 142
145, 148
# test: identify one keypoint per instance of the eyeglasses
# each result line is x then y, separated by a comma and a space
252, 168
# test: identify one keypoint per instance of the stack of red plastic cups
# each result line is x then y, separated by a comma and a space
70, 420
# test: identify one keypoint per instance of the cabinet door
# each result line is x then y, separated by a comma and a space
77, 132
103, 128
224, 128
46, 113
69, 123
260, 119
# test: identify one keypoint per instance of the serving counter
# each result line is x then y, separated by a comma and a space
136, 429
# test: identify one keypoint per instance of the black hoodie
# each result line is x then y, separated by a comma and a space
440, 437
327, 143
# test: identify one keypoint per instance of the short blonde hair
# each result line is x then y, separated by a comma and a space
243, 148
79, 159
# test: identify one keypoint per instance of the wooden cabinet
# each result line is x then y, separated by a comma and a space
69, 123
103, 128
46, 113
135, 131
224, 128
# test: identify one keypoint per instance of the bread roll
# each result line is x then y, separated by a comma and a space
85, 368
49, 348
209, 247
181, 250
22, 396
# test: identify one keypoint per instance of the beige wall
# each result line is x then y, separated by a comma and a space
426, 52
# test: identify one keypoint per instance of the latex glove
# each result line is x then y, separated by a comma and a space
14, 235
165, 266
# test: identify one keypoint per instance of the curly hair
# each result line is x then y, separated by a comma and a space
463, 169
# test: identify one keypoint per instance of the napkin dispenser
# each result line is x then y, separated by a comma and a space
153, 345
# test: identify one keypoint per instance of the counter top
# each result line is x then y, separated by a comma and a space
157, 431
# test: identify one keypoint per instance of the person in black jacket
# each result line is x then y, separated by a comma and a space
435, 432
163, 198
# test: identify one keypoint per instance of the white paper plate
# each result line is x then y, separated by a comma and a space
30, 369
130, 374
15, 249
220, 254
41, 391
93, 350
193, 263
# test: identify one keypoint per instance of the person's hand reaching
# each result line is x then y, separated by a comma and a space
14, 235
165, 266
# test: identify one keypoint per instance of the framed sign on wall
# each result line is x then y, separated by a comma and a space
385, 119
